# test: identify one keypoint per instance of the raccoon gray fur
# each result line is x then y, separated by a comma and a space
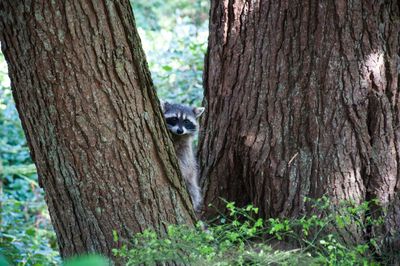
182, 123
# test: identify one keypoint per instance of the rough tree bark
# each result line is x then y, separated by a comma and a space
94, 126
302, 99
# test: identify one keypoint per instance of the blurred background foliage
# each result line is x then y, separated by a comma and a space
174, 36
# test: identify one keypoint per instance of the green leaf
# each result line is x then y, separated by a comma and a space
31, 232
167, 68
115, 236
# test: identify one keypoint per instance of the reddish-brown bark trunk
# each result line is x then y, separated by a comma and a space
92, 119
302, 99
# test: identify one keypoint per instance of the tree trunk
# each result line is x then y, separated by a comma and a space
302, 99
92, 119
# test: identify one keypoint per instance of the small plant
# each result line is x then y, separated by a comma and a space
323, 234
233, 240
241, 238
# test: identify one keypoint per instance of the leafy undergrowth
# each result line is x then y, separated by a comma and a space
26, 235
240, 238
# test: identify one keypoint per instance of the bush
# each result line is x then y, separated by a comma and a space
326, 233
228, 242
240, 238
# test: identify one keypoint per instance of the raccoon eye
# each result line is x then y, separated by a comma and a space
172, 121
188, 124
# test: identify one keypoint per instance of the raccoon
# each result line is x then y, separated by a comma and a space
182, 123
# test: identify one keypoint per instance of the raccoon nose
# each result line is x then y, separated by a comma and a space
179, 131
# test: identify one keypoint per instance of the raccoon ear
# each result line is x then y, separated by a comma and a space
164, 105
198, 111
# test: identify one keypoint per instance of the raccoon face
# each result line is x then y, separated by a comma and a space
181, 119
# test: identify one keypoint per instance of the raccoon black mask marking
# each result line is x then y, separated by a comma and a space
181, 119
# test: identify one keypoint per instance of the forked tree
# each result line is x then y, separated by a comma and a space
302, 100
93, 122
